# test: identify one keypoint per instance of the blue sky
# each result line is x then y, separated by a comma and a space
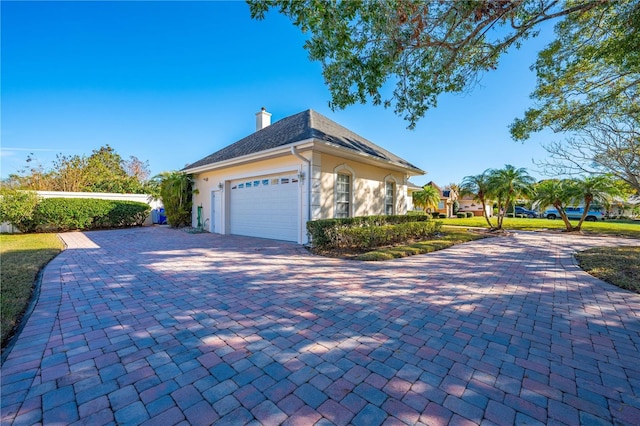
171, 82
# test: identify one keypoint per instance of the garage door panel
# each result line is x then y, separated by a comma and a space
265, 207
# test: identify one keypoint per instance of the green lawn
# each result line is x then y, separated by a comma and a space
626, 228
21, 257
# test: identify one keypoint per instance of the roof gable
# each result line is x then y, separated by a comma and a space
302, 126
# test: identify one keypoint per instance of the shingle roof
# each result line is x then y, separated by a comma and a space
304, 125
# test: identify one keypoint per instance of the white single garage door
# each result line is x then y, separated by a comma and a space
265, 207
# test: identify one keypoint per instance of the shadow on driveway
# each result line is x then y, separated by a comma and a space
160, 326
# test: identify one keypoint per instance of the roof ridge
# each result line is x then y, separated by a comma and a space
305, 125
386, 151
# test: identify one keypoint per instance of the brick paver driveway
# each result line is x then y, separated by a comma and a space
158, 326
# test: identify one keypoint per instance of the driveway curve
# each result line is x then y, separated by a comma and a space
157, 326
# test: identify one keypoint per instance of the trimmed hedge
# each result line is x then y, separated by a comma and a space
469, 214
461, 215
66, 214
369, 231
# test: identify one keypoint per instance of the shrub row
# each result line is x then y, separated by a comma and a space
65, 214
369, 231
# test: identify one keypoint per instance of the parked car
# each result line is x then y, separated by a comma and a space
525, 212
575, 213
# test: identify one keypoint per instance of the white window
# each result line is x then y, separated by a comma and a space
343, 195
389, 198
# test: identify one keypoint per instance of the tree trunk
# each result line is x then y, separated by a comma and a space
564, 217
587, 204
484, 213
566, 221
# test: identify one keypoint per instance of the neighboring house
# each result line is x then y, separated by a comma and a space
469, 204
447, 197
303, 167
629, 207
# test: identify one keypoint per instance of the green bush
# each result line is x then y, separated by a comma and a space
366, 231
176, 192
17, 208
360, 238
65, 214
125, 214
461, 215
469, 214
435, 215
442, 216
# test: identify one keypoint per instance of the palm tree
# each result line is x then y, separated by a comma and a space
429, 197
508, 184
601, 188
478, 187
176, 194
559, 194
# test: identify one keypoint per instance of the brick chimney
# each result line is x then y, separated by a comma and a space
263, 119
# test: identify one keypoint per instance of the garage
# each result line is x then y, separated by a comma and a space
265, 207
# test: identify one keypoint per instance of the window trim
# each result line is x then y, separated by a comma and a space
389, 203
345, 170
392, 180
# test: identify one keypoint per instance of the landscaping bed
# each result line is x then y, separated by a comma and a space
444, 238
384, 237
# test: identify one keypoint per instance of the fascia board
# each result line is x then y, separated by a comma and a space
329, 148
256, 156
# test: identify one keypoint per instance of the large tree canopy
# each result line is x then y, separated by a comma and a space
588, 87
423, 48
591, 71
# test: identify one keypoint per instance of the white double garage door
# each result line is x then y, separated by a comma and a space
265, 207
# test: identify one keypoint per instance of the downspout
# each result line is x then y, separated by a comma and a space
295, 152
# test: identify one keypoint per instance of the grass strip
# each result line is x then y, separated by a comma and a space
21, 256
619, 266
626, 228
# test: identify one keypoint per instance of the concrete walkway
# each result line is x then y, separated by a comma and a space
157, 326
